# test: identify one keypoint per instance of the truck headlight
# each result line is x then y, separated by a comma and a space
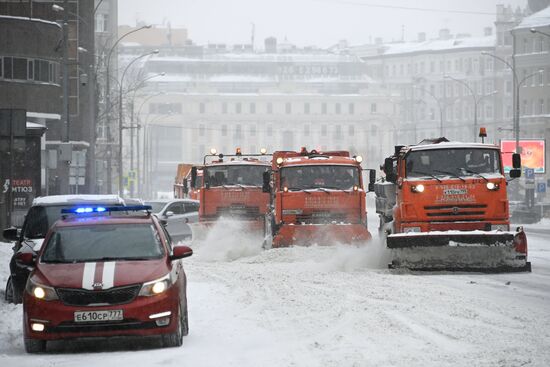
492, 186
500, 227
411, 229
418, 188
40, 291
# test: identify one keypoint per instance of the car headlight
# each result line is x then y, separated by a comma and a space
418, 188
40, 291
492, 186
411, 229
157, 286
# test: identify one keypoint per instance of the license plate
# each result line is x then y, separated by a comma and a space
97, 316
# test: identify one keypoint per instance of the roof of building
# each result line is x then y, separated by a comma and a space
432, 46
539, 19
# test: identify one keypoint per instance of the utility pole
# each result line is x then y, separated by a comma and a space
66, 134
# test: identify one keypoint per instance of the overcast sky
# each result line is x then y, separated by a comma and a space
312, 22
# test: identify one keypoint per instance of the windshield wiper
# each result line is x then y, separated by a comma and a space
450, 174
476, 173
427, 174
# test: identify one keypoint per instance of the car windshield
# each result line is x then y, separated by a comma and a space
320, 176
103, 242
156, 205
452, 162
249, 175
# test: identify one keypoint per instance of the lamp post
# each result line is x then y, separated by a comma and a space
438, 105
120, 126
108, 105
517, 85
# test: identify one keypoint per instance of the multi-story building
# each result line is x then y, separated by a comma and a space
221, 98
71, 174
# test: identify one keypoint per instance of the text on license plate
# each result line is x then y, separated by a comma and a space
94, 316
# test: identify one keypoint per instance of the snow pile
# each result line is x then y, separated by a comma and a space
227, 240
348, 258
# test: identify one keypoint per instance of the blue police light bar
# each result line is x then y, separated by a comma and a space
102, 209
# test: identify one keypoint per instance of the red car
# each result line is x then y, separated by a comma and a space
106, 272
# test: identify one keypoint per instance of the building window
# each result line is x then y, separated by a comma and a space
323, 130
324, 108
8, 71
202, 108
19, 68
338, 132
252, 108
224, 108
224, 130
288, 108
337, 108
201, 130
351, 108
269, 107
238, 107
238, 131
270, 130
373, 107
30, 69
351, 130
101, 23
541, 106
306, 108
306, 130
253, 130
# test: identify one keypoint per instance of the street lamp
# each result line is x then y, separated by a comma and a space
120, 169
518, 84
438, 105
108, 103
533, 30
474, 97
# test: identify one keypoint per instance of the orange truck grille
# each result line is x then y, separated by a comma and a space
474, 211
321, 218
241, 212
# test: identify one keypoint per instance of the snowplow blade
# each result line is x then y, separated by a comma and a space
477, 251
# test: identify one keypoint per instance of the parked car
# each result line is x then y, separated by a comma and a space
43, 212
114, 274
177, 213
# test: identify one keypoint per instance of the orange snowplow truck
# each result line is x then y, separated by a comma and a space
444, 206
185, 187
316, 198
232, 189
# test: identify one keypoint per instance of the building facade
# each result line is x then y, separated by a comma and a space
225, 99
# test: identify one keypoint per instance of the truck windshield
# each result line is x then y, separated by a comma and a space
320, 176
247, 175
452, 162
102, 242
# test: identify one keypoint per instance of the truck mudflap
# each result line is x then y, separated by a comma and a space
478, 251
320, 234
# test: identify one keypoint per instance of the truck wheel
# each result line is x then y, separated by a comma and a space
11, 294
35, 345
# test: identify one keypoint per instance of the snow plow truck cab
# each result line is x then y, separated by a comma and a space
443, 206
316, 198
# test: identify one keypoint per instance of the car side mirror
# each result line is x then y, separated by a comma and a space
26, 258
266, 182
180, 252
516, 160
169, 214
11, 234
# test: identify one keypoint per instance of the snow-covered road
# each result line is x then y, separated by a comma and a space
328, 306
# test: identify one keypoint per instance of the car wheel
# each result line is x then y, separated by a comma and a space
175, 339
11, 294
35, 345
185, 328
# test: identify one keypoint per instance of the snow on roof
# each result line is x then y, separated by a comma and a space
539, 19
453, 145
34, 125
437, 45
76, 199
40, 115
257, 57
